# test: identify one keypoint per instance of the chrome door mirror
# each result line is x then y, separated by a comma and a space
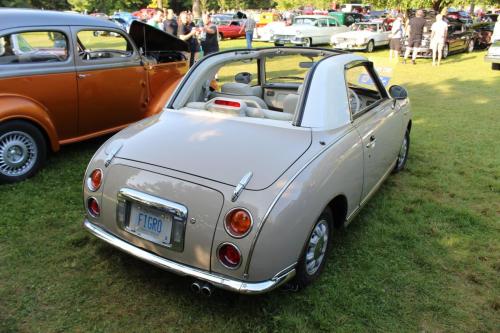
398, 92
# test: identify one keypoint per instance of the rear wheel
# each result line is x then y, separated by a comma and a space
22, 151
495, 66
220, 36
307, 42
313, 258
370, 46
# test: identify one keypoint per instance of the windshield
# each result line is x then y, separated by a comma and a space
304, 20
364, 27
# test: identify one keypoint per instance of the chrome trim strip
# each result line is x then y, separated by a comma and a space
280, 193
217, 280
241, 186
155, 202
112, 154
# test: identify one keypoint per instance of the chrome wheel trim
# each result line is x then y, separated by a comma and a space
308, 42
403, 152
316, 247
18, 153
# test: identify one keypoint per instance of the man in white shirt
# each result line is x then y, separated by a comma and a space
439, 31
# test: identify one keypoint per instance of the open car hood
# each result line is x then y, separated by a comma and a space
151, 39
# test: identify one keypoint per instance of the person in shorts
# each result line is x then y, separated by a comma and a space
439, 31
416, 27
396, 35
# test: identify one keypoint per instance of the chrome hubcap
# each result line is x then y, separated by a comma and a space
403, 152
316, 248
18, 153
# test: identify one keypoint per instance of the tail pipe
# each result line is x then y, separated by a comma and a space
196, 287
207, 290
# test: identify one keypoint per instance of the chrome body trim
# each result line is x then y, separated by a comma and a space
112, 154
177, 268
241, 186
178, 212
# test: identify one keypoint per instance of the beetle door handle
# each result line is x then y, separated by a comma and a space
83, 76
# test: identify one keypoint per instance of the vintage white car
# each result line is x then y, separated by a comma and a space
308, 30
362, 36
266, 33
241, 185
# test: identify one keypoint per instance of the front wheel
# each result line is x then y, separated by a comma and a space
22, 151
307, 42
370, 46
220, 36
403, 153
495, 66
313, 258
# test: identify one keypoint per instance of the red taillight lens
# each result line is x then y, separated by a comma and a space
93, 207
238, 222
227, 103
95, 179
229, 255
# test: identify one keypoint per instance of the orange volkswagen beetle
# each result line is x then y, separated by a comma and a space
68, 77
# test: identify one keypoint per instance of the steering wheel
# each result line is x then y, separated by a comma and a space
354, 101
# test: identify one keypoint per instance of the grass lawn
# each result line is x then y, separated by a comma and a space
423, 255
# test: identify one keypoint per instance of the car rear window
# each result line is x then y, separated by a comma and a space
33, 47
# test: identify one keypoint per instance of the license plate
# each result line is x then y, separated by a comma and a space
150, 224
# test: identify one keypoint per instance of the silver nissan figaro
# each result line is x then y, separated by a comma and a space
258, 156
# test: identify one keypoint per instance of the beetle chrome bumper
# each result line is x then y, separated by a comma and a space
217, 280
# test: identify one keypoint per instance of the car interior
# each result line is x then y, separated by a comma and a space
267, 91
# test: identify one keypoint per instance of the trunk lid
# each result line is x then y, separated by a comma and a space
218, 149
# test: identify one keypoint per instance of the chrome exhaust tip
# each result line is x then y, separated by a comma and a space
196, 287
207, 290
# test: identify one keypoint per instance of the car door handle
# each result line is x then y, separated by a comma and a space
372, 142
83, 76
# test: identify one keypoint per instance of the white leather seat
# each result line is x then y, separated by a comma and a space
291, 100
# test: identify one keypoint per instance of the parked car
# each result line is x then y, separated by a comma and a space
266, 33
493, 55
245, 185
63, 79
347, 19
230, 29
484, 33
123, 19
460, 15
460, 38
308, 30
362, 36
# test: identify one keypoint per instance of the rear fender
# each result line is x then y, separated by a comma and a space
24, 108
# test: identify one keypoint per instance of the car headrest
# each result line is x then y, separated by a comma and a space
236, 88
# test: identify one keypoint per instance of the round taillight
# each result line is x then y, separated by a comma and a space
229, 255
238, 222
95, 179
93, 207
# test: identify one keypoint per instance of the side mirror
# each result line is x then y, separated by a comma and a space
398, 92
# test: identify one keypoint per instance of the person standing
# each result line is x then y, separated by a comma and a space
249, 27
188, 33
170, 23
416, 27
209, 40
396, 35
157, 19
439, 31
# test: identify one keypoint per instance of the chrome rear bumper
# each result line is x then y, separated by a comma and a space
180, 269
